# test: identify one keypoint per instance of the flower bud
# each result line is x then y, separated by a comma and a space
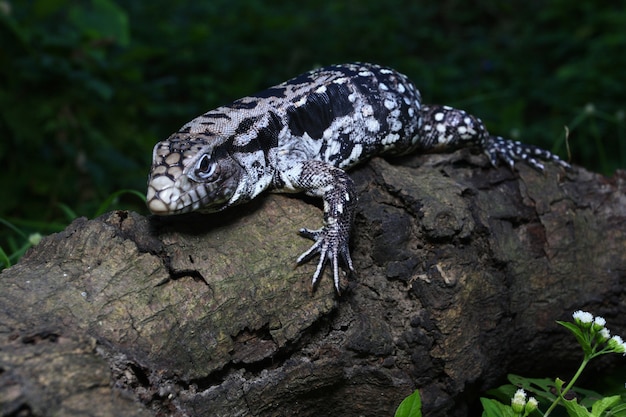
603, 335
531, 405
598, 323
617, 344
518, 402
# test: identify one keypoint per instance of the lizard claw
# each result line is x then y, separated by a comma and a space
330, 246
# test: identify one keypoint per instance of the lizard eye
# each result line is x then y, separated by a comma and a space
207, 169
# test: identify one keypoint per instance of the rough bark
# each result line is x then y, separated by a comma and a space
462, 270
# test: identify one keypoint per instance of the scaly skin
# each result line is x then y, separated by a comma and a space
301, 136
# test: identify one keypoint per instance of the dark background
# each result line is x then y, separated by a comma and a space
88, 87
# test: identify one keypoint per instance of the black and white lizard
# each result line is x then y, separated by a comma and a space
301, 136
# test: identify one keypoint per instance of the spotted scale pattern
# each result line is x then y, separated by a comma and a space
302, 136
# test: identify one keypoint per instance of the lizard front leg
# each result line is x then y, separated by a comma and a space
334, 186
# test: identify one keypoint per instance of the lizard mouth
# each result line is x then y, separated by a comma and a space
167, 196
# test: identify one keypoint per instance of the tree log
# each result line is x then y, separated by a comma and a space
462, 270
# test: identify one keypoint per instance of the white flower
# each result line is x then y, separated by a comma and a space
582, 316
617, 344
599, 321
531, 405
518, 401
605, 333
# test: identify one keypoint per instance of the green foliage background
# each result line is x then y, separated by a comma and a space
88, 87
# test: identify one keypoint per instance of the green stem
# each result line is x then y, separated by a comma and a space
569, 386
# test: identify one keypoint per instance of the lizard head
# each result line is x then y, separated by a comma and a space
190, 173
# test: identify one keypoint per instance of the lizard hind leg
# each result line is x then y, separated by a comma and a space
445, 128
498, 148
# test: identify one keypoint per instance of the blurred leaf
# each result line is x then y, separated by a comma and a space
574, 409
541, 387
102, 20
113, 197
70, 214
493, 408
579, 335
4, 258
604, 404
619, 410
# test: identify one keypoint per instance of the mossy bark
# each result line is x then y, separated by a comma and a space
462, 270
